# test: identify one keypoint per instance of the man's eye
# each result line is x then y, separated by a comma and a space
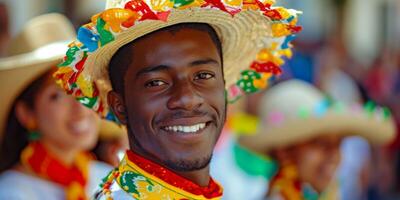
204, 75
155, 83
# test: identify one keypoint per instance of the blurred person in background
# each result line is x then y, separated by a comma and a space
112, 144
333, 63
302, 131
45, 133
4, 29
243, 173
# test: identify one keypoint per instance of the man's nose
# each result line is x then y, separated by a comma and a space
184, 96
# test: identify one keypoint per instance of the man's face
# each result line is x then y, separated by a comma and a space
174, 98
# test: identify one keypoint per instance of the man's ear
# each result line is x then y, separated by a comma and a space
116, 103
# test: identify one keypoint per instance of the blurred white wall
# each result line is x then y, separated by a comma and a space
21, 11
370, 26
317, 20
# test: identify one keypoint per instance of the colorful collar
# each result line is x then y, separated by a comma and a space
287, 186
143, 178
40, 162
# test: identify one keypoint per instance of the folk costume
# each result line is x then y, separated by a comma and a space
255, 38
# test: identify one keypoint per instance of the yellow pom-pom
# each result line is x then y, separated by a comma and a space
161, 5
233, 2
283, 12
85, 86
242, 123
279, 30
260, 84
264, 55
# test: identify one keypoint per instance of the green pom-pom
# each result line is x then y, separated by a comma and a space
386, 113
105, 36
303, 113
369, 107
88, 102
180, 3
246, 83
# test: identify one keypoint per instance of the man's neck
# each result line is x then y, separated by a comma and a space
200, 177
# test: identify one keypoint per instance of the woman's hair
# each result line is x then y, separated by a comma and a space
15, 137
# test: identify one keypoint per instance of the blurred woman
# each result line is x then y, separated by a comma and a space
45, 133
302, 131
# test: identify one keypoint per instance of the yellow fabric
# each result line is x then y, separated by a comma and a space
147, 186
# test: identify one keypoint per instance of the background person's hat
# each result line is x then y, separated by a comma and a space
110, 130
295, 111
254, 36
39, 46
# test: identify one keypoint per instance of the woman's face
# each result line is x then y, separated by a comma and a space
316, 160
62, 121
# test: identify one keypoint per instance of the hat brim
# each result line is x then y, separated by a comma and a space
375, 130
242, 36
17, 72
110, 130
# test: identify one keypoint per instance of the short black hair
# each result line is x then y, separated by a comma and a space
120, 61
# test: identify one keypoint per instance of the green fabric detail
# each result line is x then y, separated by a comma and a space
254, 164
129, 181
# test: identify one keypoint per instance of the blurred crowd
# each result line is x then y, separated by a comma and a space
348, 50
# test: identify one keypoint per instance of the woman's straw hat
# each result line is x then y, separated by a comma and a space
40, 45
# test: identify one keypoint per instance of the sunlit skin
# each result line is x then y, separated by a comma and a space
316, 159
65, 126
177, 82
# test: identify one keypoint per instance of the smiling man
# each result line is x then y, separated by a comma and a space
172, 96
167, 70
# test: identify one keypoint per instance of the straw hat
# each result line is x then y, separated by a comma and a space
254, 36
109, 130
295, 111
39, 46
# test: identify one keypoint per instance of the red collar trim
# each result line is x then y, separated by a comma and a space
211, 191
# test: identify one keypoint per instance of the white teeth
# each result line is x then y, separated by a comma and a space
186, 129
202, 125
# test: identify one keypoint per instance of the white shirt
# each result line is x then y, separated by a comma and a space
15, 185
237, 184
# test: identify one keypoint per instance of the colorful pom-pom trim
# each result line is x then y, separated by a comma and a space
105, 26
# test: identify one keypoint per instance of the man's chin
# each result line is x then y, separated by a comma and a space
182, 165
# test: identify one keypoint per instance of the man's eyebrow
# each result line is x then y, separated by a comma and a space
204, 62
152, 69
166, 67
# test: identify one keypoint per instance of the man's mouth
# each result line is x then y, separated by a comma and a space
195, 128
